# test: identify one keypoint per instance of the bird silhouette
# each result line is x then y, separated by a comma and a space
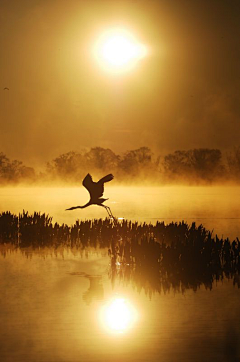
95, 190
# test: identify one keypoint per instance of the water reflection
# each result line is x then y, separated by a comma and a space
153, 279
156, 257
95, 290
118, 315
45, 317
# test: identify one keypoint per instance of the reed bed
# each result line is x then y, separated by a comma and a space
175, 254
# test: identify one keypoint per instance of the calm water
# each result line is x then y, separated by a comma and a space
69, 306
217, 208
64, 306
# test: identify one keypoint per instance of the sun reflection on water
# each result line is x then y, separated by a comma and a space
118, 316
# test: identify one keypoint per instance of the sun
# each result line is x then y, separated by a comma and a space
118, 316
117, 50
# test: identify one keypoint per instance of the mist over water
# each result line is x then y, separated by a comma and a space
216, 207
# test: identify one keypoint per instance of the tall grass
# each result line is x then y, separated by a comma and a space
176, 253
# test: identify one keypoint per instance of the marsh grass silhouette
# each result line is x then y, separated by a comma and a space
156, 257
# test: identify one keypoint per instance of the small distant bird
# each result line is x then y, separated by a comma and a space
95, 190
6, 88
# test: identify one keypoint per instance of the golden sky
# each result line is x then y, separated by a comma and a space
183, 94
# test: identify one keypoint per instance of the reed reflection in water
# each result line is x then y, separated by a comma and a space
45, 316
174, 255
64, 289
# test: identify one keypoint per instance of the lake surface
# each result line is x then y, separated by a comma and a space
64, 305
71, 305
217, 208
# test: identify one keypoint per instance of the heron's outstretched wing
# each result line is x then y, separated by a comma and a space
107, 178
88, 183
99, 189
96, 189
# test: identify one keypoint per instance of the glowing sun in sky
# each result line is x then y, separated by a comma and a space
117, 50
118, 315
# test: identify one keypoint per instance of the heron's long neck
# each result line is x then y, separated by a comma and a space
83, 207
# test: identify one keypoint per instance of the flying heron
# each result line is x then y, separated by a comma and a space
95, 190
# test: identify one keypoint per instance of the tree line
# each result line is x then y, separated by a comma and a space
194, 166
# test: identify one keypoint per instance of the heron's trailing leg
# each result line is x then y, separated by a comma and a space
105, 207
110, 214
110, 211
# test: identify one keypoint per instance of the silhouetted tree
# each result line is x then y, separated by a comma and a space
137, 161
198, 164
233, 163
14, 171
176, 164
68, 166
102, 159
4, 161
206, 163
73, 166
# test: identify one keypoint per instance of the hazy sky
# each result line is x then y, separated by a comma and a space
184, 94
